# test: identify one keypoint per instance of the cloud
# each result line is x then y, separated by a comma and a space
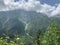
45, 8
30, 5
56, 11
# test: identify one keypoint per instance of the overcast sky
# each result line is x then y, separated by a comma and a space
48, 7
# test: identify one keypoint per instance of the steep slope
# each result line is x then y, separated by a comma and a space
56, 19
9, 23
41, 22
18, 19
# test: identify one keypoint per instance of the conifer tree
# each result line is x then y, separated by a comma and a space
37, 40
52, 35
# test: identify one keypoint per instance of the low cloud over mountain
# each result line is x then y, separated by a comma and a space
30, 5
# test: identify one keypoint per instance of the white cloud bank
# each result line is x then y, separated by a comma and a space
31, 5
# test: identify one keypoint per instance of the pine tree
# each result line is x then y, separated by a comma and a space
52, 35
37, 40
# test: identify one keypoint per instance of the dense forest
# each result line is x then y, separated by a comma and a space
19, 27
29, 22
51, 36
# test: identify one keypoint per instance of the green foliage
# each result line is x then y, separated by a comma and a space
18, 40
8, 41
38, 37
52, 35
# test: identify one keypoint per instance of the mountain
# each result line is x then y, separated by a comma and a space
23, 21
42, 22
56, 19
9, 23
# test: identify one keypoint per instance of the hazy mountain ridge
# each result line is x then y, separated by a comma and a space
17, 20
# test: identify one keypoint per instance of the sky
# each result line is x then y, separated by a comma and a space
50, 2
48, 7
